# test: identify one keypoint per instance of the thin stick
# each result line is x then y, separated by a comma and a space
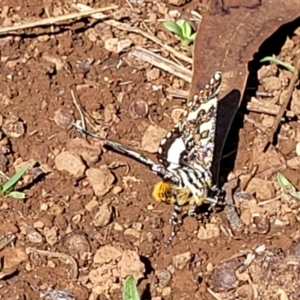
216, 296
64, 256
259, 106
129, 28
286, 99
5, 240
269, 201
177, 93
54, 20
162, 63
74, 98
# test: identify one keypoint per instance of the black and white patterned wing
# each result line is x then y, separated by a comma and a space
191, 141
203, 115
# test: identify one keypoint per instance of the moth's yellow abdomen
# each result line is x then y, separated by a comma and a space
161, 192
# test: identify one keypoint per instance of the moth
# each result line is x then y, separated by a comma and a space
185, 156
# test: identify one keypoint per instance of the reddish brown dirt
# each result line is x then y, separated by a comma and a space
34, 96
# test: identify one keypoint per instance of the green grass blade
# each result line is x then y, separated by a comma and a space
186, 30
283, 181
130, 291
287, 186
173, 27
9, 184
278, 62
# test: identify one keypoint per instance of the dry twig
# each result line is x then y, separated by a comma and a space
177, 93
74, 98
286, 99
63, 256
7, 239
162, 63
54, 20
264, 107
260, 106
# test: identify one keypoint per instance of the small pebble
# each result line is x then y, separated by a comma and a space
44, 207
117, 190
103, 216
63, 118
132, 232
164, 277
208, 232
56, 210
38, 225
180, 261
101, 179
298, 149
88, 152
76, 244
13, 127
118, 227
152, 137
91, 205
51, 235
166, 291
70, 162
34, 237
153, 74
138, 109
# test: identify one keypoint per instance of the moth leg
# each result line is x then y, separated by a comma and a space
202, 218
171, 237
193, 211
174, 221
213, 201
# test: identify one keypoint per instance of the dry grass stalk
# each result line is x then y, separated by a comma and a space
54, 20
162, 63
286, 99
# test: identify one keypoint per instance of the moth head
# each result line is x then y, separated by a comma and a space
162, 192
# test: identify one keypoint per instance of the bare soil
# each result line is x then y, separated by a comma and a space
62, 213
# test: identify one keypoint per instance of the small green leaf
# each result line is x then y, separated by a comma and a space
192, 37
15, 178
17, 195
295, 194
173, 27
278, 62
283, 181
287, 186
130, 291
186, 30
180, 22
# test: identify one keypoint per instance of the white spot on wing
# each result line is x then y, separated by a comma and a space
175, 151
163, 141
218, 75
